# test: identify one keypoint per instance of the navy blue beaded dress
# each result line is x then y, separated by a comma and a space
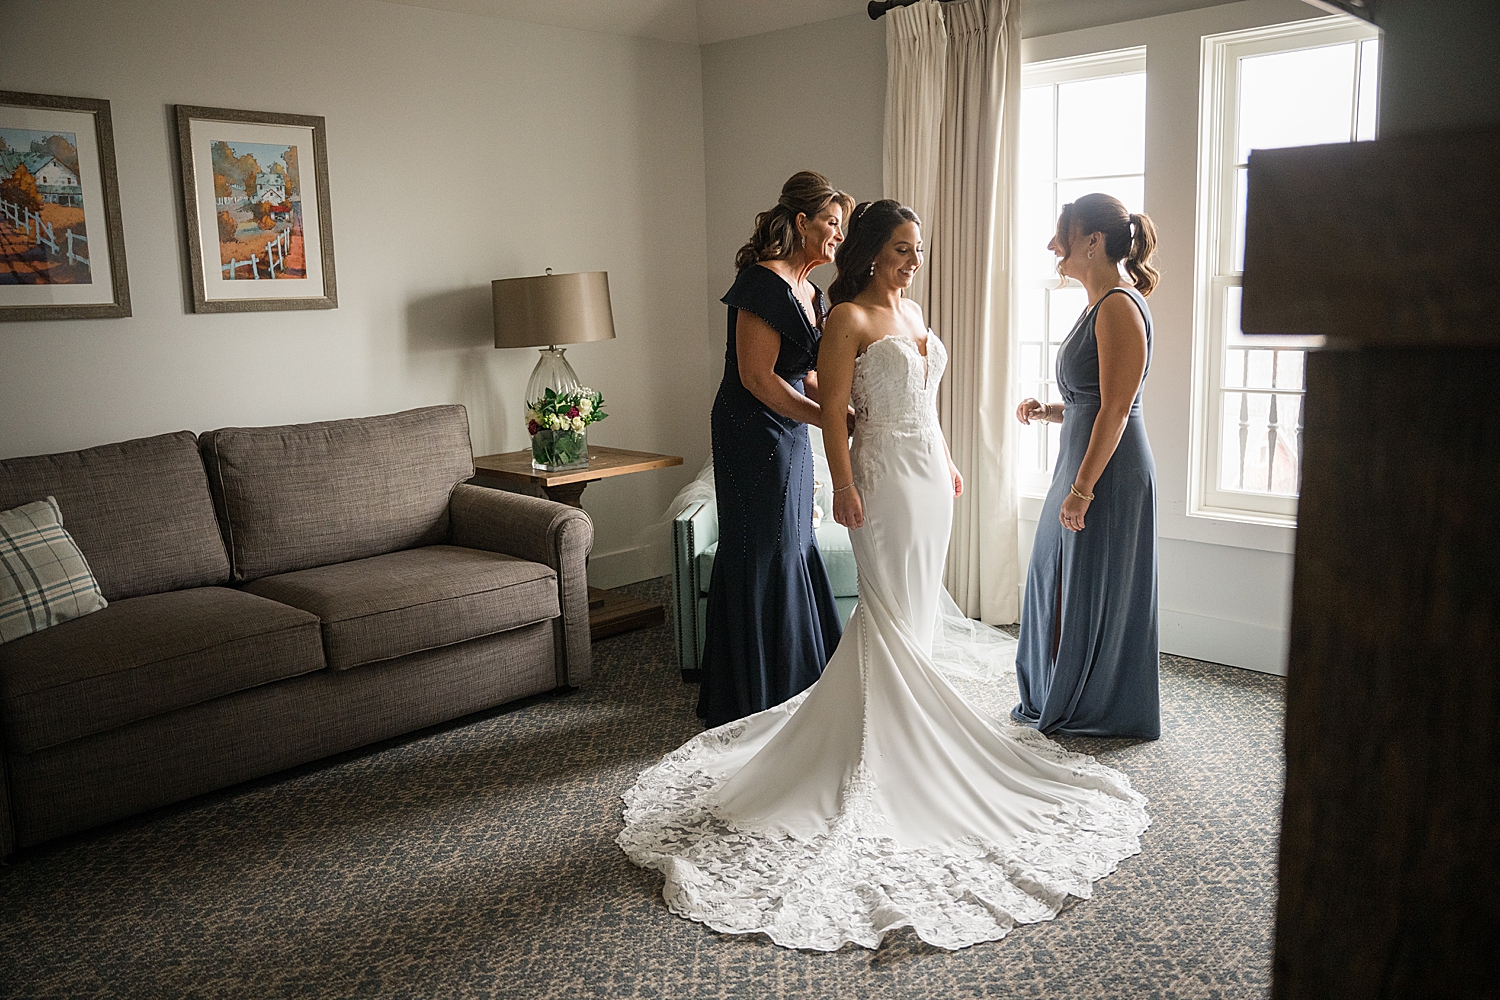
772, 622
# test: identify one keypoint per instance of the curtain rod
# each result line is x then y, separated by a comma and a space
877, 8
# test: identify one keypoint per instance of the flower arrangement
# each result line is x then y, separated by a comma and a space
558, 422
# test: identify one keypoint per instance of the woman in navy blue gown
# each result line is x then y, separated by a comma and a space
1089, 643
771, 620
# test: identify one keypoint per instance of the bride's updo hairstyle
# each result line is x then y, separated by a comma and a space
1127, 236
775, 238
869, 230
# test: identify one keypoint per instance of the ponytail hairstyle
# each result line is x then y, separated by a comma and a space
775, 237
870, 227
1127, 236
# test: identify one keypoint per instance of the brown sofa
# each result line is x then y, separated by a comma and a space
276, 595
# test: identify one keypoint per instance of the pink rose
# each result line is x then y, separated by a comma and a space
572, 412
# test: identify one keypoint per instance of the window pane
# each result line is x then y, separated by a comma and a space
1369, 88
1036, 134
1259, 443
1240, 187
1033, 314
1031, 362
1064, 307
1130, 190
1101, 126
1289, 369
1299, 98
1037, 216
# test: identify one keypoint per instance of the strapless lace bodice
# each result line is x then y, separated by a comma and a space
894, 394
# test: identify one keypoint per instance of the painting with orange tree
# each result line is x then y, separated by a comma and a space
258, 205
43, 238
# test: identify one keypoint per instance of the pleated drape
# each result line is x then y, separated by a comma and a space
916, 47
969, 238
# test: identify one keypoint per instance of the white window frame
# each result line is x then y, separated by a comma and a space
1051, 72
1215, 268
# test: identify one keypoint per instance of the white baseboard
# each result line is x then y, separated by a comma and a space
1223, 640
628, 565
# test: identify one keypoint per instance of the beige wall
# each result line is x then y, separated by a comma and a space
461, 149
806, 98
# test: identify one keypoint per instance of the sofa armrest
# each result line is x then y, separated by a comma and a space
694, 530
543, 531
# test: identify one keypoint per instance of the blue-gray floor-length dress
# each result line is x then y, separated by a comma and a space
1100, 580
771, 621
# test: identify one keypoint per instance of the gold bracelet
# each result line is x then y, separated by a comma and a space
1046, 416
1073, 489
843, 488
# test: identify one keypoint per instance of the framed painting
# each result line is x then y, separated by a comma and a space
255, 203
62, 247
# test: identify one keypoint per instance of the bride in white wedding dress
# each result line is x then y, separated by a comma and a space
880, 798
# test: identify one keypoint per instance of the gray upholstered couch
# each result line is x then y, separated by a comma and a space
276, 595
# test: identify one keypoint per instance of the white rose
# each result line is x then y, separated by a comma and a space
578, 424
585, 406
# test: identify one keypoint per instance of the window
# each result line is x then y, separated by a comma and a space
1298, 84
1083, 129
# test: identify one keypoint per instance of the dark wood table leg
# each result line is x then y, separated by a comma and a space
610, 611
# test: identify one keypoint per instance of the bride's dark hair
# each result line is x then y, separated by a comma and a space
870, 227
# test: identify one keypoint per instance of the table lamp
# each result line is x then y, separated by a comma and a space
546, 311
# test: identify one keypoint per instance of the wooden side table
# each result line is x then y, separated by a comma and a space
610, 611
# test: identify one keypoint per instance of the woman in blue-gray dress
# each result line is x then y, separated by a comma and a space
771, 621
1089, 643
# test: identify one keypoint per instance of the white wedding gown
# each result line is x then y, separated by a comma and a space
880, 798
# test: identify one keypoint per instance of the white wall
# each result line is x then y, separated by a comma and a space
574, 149
1225, 587
804, 98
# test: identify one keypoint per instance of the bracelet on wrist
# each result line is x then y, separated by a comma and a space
1073, 489
841, 489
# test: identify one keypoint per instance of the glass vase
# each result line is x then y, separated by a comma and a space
553, 372
556, 451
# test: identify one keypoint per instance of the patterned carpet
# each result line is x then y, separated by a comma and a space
477, 860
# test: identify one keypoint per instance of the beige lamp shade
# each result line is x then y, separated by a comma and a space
550, 309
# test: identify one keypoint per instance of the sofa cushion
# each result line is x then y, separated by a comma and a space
44, 579
305, 495
833, 546
139, 510
145, 656
403, 602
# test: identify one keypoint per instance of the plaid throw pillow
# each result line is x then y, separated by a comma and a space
44, 579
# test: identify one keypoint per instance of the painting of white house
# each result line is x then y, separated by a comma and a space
258, 206
43, 237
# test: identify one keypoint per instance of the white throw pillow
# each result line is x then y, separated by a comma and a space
44, 579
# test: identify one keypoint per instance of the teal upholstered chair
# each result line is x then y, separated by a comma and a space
695, 539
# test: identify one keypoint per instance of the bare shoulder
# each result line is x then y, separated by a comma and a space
847, 320
1119, 314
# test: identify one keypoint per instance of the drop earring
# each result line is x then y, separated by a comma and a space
872, 270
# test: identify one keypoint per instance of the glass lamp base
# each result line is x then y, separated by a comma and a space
553, 372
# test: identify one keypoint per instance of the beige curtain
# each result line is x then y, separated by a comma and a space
969, 239
916, 48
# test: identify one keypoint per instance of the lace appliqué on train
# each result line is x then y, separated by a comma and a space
845, 887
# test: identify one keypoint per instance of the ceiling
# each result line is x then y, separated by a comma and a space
703, 22
697, 22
